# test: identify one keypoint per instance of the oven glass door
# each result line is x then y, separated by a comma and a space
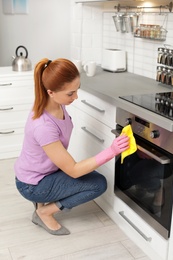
145, 182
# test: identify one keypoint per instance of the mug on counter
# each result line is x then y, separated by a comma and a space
90, 68
78, 64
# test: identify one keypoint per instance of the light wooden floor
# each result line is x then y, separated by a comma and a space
94, 236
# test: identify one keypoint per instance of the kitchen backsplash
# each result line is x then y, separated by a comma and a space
93, 29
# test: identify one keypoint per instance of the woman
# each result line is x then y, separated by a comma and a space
46, 173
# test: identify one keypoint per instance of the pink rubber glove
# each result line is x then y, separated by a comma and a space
119, 145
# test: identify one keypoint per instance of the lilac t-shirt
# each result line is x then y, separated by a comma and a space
33, 164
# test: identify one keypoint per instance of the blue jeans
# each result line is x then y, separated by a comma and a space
64, 190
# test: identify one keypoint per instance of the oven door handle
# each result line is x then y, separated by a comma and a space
163, 159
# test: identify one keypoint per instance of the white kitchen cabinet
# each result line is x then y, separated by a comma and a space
16, 99
93, 120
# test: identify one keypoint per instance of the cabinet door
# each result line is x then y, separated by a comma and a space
92, 137
96, 107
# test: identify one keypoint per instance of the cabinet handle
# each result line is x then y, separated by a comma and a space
6, 84
135, 227
116, 132
94, 107
87, 131
8, 108
9, 132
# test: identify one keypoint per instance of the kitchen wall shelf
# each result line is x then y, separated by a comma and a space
149, 38
119, 7
142, 8
151, 32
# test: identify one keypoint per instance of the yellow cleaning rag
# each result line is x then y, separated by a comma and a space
132, 143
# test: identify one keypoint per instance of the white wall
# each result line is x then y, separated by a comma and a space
44, 31
62, 28
93, 29
87, 31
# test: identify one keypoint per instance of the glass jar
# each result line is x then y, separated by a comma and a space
148, 31
152, 31
159, 56
158, 74
168, 77
163, 33
169, 61
137, 31
172, 79
142, 30
163, 75
164, 57
157, 32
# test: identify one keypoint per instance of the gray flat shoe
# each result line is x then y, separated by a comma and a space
37, 221
35, 204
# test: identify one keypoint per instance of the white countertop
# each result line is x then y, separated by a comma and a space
110, 86
7, 71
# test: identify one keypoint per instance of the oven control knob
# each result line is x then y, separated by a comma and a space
128, 121
154, 134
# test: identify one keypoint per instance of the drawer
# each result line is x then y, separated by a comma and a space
96, 107
94, 130
16, 80
11, 142
18, 89
141, 232
12, 114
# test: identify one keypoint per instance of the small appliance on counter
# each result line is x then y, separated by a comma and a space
113, 60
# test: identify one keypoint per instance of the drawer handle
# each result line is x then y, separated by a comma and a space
6, 84
5, 109
90, 105
88, 132
135, 227
9, 132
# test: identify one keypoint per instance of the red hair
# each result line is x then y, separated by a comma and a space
51, 75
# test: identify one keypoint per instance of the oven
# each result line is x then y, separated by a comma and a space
144, 181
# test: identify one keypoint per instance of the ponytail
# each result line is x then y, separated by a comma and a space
41, 95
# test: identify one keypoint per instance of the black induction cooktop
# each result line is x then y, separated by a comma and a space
159, 103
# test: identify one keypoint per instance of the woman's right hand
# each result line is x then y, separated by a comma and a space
120, 144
